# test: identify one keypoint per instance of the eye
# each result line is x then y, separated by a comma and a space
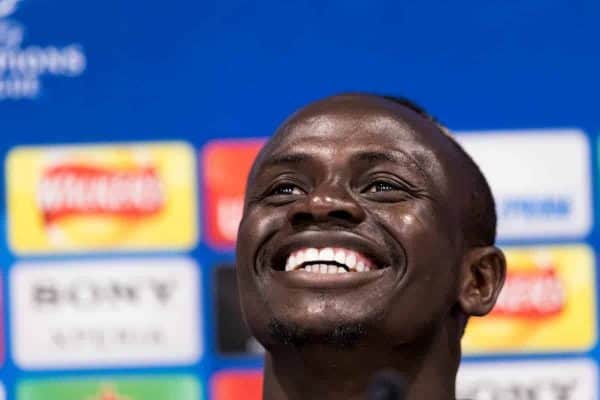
284, 189
381, 186
387, 190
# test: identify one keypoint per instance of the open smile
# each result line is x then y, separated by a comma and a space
328, 260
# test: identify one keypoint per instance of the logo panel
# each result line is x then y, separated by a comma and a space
226, 165
87, 198
230, 385
107, 388
556, 380
122, 312
547, 304
540, 179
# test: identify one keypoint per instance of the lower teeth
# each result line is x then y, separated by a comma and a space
324, 269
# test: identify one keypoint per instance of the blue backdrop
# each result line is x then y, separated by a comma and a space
203, 70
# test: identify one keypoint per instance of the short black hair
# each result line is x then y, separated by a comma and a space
479, 221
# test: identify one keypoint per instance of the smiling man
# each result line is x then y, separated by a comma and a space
367, 241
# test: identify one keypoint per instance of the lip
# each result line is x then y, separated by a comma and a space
321, 239
310, 280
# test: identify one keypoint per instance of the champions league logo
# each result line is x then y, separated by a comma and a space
23, 67
11, 33
7, 7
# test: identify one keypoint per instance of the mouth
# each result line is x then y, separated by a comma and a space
328, 260
331, 260
330, 253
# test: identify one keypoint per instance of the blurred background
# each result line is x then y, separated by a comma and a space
127, 128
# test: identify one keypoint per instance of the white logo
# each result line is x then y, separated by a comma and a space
540, 180
7, 7
22, 67
548, 380
105, 313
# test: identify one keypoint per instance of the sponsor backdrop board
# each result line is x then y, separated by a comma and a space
111, 388
105, 313
547, 304
136, 196
551, 379
127, 130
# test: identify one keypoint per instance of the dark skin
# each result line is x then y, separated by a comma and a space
362, 173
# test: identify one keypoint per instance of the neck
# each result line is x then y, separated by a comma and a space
321, 372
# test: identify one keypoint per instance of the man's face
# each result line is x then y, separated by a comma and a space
350, 225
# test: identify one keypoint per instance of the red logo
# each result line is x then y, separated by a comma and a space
531, 294
226, 165
80, 190
237, 385
109, 393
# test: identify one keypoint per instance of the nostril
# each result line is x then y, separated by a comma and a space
329, 209
341, 214
300, 218
303, 218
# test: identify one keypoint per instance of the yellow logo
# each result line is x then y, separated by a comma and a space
547, 304
83, 198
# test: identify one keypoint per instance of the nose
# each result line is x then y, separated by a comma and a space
328, 203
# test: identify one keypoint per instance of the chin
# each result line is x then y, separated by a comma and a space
341, 336
302, 329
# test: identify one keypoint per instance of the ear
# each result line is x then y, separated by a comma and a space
482, 276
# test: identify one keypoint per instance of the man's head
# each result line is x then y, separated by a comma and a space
373, 191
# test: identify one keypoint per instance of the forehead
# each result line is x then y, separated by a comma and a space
338, 127
343, 128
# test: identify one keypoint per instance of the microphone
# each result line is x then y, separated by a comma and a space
387, 385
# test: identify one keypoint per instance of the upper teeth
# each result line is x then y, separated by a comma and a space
328, 260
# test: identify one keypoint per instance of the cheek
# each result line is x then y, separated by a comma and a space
430, 285
426, 237
257, 227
